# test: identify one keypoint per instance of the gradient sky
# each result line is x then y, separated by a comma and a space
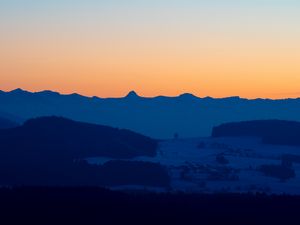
249, 48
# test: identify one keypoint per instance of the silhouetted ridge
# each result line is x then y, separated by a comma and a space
271, 131
188, 96
132, 94
18, 91
48, 93
52, 151
159, 117
79, 139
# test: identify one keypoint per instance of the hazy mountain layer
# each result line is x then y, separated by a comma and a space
158, 117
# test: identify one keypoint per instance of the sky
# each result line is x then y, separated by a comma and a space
218, 48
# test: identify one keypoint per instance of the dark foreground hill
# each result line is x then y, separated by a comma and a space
51, 151
100, 206
66, 138
271, 131
6, 123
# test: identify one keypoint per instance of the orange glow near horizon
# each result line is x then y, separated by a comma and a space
247, 52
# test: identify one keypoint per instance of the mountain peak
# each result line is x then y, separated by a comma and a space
18, 91
132, 94
187, 96
47, 92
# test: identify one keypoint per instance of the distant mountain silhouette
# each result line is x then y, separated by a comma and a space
271, 131
11, 117
132, 95
158, 117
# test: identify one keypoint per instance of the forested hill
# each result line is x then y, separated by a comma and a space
271, 131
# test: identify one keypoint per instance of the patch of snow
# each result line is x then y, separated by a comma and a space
193, 167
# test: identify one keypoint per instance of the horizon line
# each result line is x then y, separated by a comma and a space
134, 93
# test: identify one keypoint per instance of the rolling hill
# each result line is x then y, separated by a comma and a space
51, 151
63, 137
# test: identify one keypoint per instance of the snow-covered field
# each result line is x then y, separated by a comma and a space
223, 165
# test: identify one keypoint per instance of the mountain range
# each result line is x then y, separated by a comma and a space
158, 117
